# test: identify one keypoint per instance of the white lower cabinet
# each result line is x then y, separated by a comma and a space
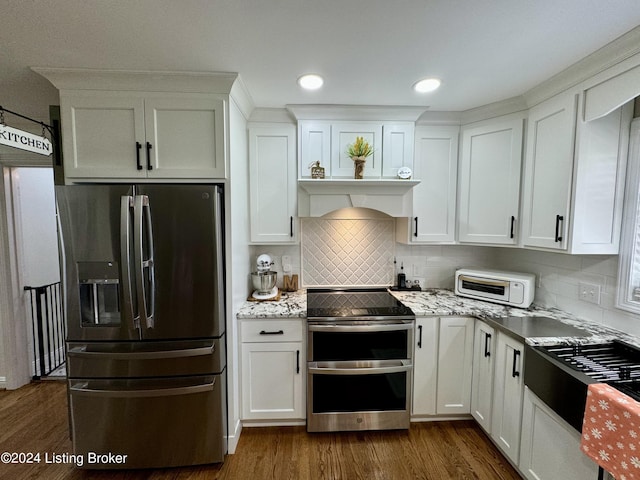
483, 369
442, 366
425, 366
506, 413
455, 363
550, 446
273, 369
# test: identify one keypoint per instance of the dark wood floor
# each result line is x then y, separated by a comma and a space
34, 419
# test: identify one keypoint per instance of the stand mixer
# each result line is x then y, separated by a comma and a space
264, 280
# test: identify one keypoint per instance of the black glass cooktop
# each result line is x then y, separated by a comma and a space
327, 303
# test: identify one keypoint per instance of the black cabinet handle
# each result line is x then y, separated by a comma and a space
415, 231
514, 372
419, 336
291, 226
559, 219
297, 361
487, 337
149, 166
138, 147
278, 332
513, 222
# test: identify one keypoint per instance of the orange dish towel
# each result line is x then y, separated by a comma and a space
611, 431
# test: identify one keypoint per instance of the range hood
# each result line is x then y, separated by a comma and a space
321, 196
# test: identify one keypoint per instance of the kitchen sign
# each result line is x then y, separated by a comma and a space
25, 140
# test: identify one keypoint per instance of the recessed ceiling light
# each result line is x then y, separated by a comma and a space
426, 85
310, 81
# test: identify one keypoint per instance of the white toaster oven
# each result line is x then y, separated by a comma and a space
508, 288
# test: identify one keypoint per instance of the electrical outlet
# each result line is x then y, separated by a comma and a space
589, 292
286, 264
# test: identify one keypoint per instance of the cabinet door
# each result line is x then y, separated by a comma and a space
455, 356
548, 172
273, 184
482, 384
315, 145
397, 148
425, 367
490, 165
344, 134
272, 381
184, 138
507, 396
103, 135
550, 446
434, 198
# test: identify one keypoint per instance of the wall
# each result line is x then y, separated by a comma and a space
558, 278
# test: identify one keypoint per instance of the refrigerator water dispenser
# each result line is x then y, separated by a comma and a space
99, 293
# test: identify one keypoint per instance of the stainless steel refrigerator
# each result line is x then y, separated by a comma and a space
143, 276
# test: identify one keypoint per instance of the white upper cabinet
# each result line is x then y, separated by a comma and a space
344, 134
136, 135
326, 141
574, 177
548, 171
185, 137
315, 146
490, 164
273, 183
397, 148
434, 198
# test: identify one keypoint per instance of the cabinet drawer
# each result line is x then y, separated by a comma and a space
272, 331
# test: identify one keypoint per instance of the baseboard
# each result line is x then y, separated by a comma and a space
3, 383
234, 437
440, 418
273, 423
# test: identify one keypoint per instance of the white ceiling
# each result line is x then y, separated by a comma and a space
369, 51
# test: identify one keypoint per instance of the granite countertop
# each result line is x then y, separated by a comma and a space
442, 302
290, 305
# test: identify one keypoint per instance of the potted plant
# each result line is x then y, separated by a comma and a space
359, 151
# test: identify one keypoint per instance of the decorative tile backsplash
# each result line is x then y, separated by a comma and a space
339, 252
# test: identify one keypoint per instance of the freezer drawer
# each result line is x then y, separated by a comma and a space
145, 359
154, 422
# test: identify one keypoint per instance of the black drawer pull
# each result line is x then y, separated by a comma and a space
513, 222
559, 218
291, 226
419, 336
487, 337
297, 361
514, 372
149, 166
415, 232
138, 147
278, 332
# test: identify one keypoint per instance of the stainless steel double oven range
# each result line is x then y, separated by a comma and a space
360, 360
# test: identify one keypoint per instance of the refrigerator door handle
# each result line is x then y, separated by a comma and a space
80, 351
126, 203
84, 390
141, 213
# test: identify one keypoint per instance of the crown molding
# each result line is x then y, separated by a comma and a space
145, 81
356, 112
619, 51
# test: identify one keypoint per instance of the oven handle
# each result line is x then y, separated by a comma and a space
363, 367
377, 327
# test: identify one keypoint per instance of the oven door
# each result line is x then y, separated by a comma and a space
359, 376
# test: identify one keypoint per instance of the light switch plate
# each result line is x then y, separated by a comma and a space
589, 292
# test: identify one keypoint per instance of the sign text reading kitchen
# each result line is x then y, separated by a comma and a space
24, 140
